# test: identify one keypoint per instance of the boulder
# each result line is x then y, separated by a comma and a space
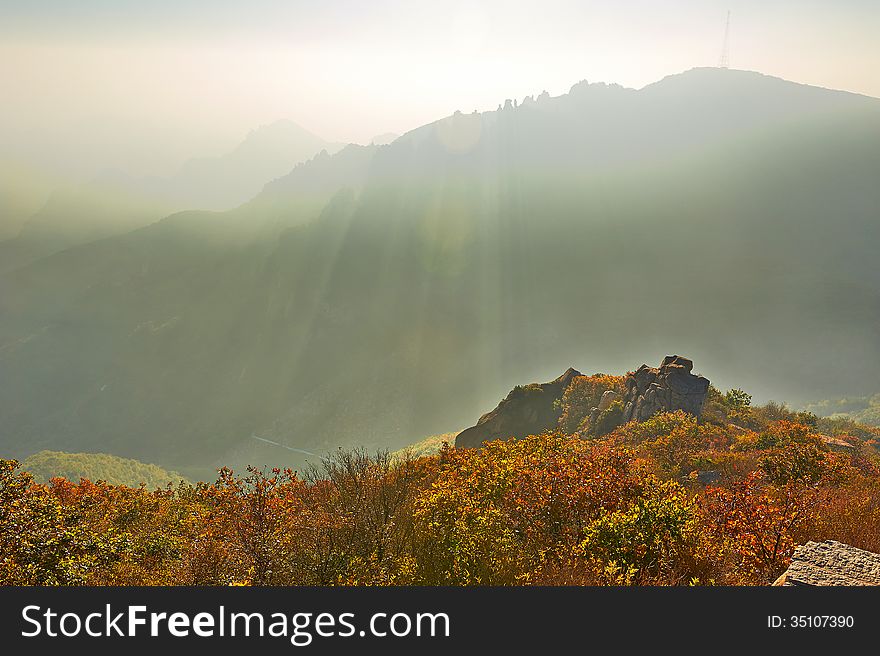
667, 388
703, 477
831, 563
608, 397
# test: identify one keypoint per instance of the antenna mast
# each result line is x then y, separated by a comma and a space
725, 49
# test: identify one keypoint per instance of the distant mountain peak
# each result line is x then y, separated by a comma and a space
733, 80
384, 138
279, 133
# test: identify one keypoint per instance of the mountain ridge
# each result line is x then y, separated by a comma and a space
484, 249
116, 203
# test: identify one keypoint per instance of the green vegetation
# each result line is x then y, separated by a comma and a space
114, 470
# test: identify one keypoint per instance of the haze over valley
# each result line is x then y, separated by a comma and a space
388, 292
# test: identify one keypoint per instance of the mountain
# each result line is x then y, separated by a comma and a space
384, 138
74, 215
23, 190
220, 183
398, 290
863, 409
114, 203
46, 465
527, 410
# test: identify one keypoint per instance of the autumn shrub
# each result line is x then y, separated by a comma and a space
654, 538
733, 406
837, 425
551, 508
40, 542
669, 501
257, 523
367, 505
501, 513
850, 513
664, 423
754, 525
761, 416
673, 452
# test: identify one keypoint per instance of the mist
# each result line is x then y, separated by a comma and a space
237, 234
141, 88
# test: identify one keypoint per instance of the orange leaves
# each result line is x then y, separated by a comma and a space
755, 525
514, 507
797, 462
626, 508
252, 523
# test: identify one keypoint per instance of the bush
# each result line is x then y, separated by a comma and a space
648, 539
631, 507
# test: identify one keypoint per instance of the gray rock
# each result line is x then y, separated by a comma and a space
708, 477
668, 388
608, 397
534, 409
831, 563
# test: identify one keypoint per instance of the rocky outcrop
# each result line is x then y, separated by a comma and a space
667, 388
602, 418
533, 409
831, 563
527, 410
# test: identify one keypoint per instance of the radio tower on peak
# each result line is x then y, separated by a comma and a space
725, 49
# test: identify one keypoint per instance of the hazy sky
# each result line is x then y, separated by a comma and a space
141, 85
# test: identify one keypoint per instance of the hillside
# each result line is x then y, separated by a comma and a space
114, 203
73, 215
672, 499
23, 190
430, 446
398, 290
862, 409
46, 465
226, 181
